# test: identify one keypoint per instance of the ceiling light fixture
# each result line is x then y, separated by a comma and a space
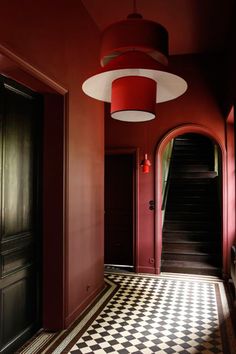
133, 76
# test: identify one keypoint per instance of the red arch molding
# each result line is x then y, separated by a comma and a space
182, 129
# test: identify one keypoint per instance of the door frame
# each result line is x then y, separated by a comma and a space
29, 240
54, 220
135, 153
179, 130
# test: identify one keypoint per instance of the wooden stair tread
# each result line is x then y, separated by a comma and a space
193, 175
204, 268
188, 221
186, 232
188, 252
191, 264
187, 241
176, 215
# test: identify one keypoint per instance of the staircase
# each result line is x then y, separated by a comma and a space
191, 230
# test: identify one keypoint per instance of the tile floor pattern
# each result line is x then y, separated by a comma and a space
151, 315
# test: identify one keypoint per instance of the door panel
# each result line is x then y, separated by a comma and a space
20, 312
119, 218
18, 165
20, 215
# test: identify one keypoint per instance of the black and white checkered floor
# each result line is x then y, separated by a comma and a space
155, 315
165, 314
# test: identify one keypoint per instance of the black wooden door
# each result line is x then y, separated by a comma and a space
20, 215
119, 211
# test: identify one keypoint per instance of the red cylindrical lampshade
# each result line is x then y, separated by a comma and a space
134, 33
133, 99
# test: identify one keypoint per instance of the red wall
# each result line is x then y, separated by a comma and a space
197, 106
60, 40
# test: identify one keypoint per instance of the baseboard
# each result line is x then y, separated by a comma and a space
87, 302
149, 270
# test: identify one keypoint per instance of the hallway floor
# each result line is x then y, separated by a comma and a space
166, 314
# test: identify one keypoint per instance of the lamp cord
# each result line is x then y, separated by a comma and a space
134, 14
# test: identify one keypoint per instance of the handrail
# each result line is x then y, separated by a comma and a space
165, 189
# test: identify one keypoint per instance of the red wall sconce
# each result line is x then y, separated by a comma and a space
145, 164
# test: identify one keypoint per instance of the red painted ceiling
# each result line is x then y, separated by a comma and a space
194, 26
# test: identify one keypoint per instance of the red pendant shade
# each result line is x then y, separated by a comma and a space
132, 95
133, 55
136, 33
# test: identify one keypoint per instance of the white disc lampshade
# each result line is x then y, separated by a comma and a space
139, 75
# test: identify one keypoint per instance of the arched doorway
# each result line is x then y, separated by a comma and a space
191, 230
195, 129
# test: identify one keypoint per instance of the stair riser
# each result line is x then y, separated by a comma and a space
191, 150
176, 206
182, 191
181, 167
191, 141
189, 247
188, 191
179, 161
189, 239
189, 227
187, 207
200, 199
193, 182
191, 160
190, 257
203, 217
190, 156
173, 236
188, 270
188, 143
193, 175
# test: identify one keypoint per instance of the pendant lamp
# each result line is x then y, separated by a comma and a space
133, 75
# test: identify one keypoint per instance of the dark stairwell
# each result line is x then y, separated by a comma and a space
192, 227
